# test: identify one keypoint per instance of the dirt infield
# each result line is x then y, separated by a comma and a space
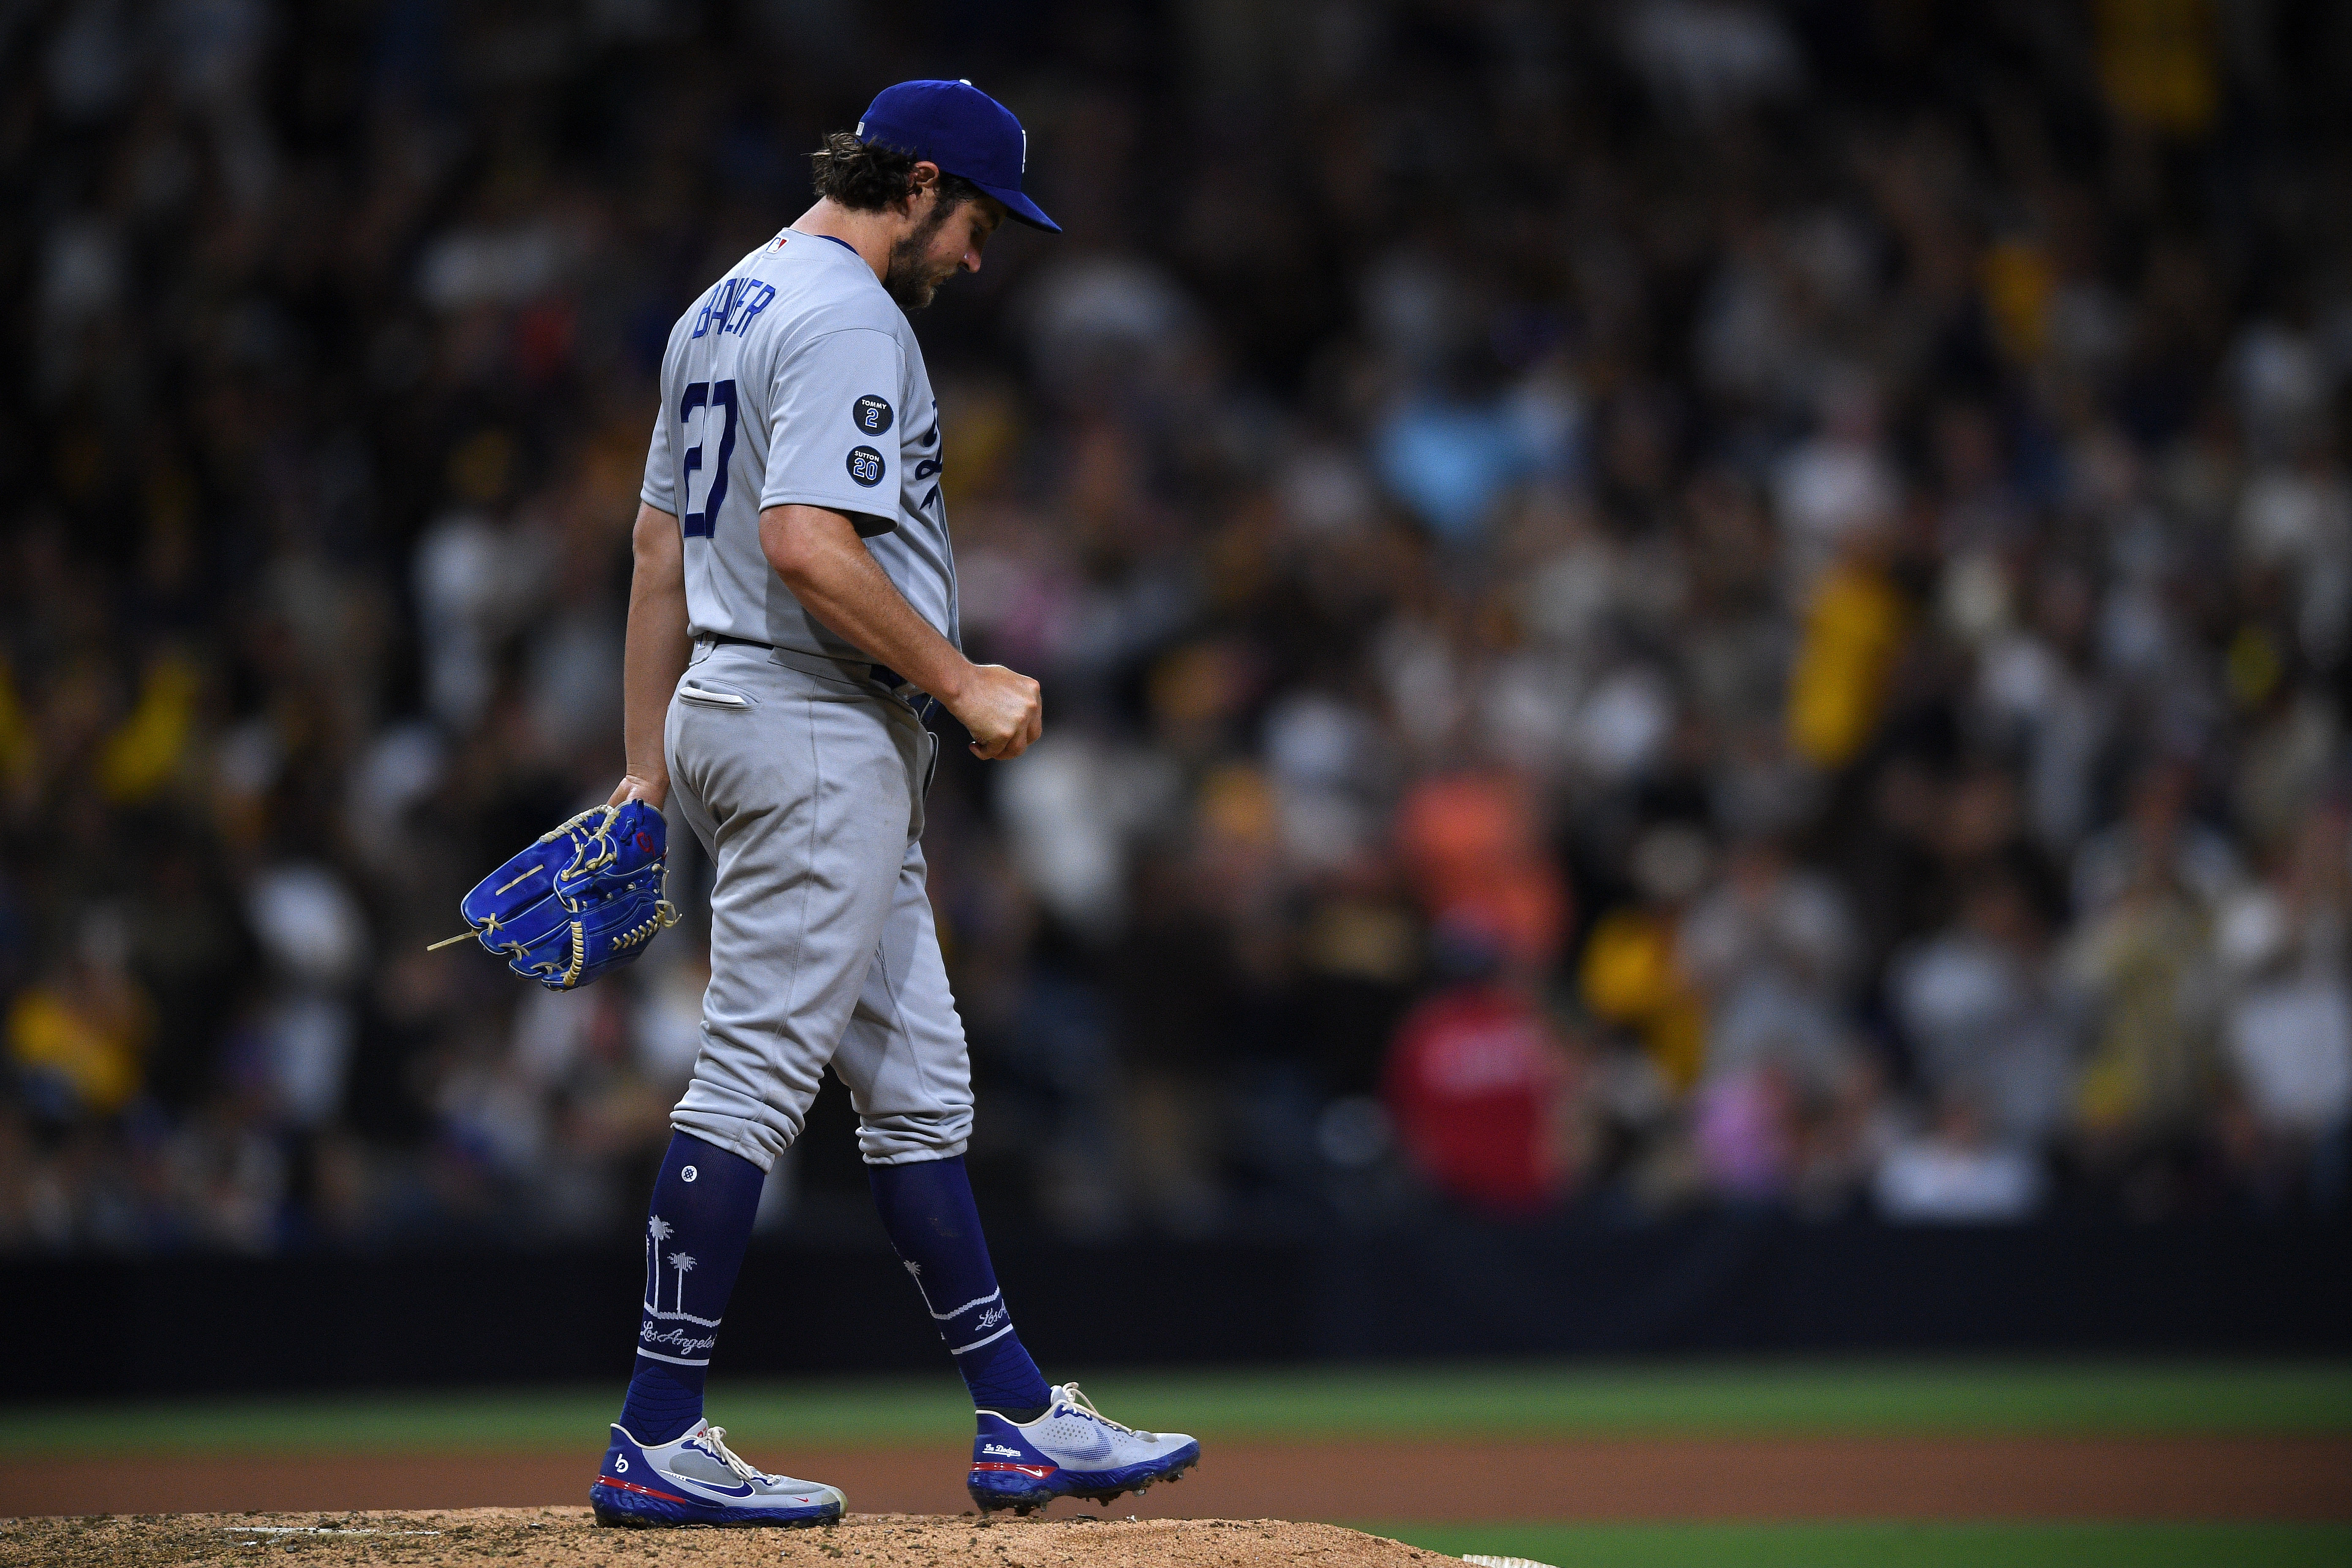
1890, 1478
568, 1536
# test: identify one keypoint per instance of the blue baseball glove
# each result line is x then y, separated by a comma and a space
584, 899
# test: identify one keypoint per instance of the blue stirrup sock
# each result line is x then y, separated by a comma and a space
704, 1201
926, 1207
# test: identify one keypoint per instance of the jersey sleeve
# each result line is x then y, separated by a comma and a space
660, 488
834, 427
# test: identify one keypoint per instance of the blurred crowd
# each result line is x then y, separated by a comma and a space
1651, 606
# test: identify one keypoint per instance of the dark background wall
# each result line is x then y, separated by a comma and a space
195, 1325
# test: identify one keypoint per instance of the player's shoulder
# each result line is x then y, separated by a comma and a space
781, 300
834, 281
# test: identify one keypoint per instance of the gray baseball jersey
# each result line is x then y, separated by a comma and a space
797, 379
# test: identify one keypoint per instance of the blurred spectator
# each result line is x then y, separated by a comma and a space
1986, 1024
78, 1039
2287, 1030
1470, 845
1770, 947
1633, 972
1954, 1174
2142, 956
1482, 1090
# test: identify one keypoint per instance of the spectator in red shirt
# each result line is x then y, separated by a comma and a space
1481, 1087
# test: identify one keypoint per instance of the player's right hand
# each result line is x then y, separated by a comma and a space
646, 786
1004, 708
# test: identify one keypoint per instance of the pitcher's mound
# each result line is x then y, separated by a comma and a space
567, 1535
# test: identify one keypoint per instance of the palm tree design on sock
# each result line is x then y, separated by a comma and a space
915, 1270
658, 1230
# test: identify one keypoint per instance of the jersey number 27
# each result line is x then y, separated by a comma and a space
706, 398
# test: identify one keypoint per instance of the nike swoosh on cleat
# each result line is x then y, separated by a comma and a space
744, 1491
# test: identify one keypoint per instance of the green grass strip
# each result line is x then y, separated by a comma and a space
1474, 1401
1877, 1545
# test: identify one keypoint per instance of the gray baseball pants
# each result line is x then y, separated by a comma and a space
804, 782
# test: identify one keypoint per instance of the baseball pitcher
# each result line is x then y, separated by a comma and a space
795, 600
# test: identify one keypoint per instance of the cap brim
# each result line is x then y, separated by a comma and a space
1023, 209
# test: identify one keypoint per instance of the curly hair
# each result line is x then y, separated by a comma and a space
866, 176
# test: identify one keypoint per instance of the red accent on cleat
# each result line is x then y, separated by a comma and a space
641, 1491
1034, 1472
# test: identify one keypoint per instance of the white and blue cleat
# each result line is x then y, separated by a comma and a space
1072, 1450
697, 1479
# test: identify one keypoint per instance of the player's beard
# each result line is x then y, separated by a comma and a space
910, 281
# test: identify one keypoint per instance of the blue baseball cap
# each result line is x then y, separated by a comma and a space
965, 131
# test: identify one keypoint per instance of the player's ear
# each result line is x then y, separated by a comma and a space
923, 177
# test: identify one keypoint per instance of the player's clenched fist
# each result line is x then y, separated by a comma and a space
1004, 708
